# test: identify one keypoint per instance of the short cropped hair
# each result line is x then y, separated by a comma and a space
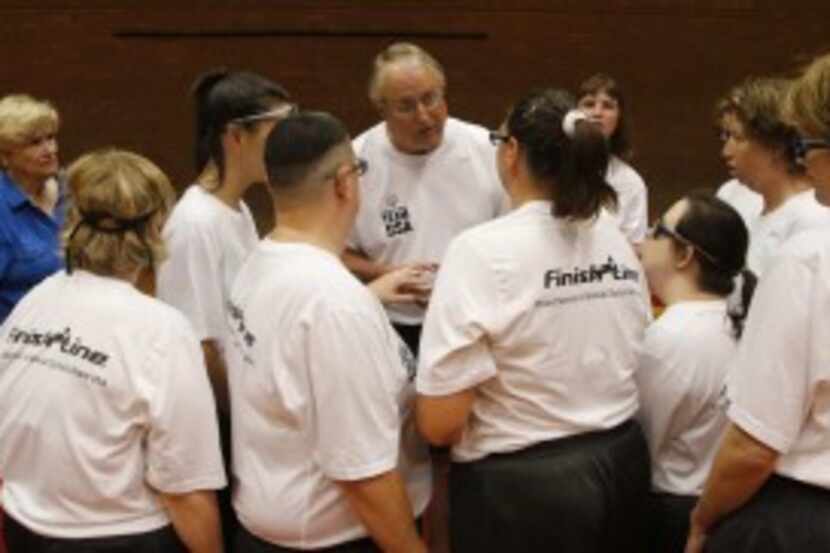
298, 144
757, 104
21, 116
120, 201
397, 52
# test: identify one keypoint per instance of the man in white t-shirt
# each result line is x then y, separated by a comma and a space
325, 452
432, 177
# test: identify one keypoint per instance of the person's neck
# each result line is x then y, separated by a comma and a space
524, 191
682, 289
231, 188
315, 229
780, 188
35, 188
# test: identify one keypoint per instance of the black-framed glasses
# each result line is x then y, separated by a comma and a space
360, 166
497, 137
659, 230
802, 146
285, 110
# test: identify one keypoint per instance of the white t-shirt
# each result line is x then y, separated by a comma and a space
768, 232
207, 242
632, 199
545, 319
321, 390
780, 384
748, 203
681, 380
413, 205
103, 398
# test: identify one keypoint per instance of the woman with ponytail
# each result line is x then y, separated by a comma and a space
529, 351
691, 257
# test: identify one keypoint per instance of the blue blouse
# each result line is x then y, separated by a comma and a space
29, 243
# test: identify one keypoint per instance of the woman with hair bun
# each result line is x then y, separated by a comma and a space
769, 488
108, 435
602, 99
530, 347
691, 257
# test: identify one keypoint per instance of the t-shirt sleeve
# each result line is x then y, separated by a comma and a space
183, 452
770, 384
635, 209
190, 279
454, 351
354, 378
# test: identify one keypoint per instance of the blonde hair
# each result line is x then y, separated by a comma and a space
807, 103
395, 53
21, 116
120, 201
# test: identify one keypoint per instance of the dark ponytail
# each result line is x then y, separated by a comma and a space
572, 164
737, 313
222, 96
720, 241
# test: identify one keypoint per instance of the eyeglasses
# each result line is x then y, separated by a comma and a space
359, 166
659, 230
285, 110
497, 137
409, 106
802, 146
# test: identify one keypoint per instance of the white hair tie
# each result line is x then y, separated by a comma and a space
570, 121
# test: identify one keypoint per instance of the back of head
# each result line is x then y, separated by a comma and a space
807, 103
21, 116
619, 143
397, 53
565, 152
721, 240
120, 201
757, 104
297, 151
223, 96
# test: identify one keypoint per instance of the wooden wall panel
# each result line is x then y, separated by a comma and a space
119, 71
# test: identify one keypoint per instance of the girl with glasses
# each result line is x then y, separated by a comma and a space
691, 258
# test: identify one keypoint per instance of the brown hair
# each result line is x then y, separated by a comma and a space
807, 103
619, 143
757, 104
120, 200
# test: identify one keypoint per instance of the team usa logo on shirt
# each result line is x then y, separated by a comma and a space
594, 273
63, 342
395, 217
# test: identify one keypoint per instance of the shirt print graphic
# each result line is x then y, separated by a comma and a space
395, 217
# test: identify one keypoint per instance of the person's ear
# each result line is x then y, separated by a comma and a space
684, 257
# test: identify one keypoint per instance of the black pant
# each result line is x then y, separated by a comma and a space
583, 494
785, 516
20, 539
411, 336
227, 515
248, 543
669, 526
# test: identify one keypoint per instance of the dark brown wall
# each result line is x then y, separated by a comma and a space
119, 70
